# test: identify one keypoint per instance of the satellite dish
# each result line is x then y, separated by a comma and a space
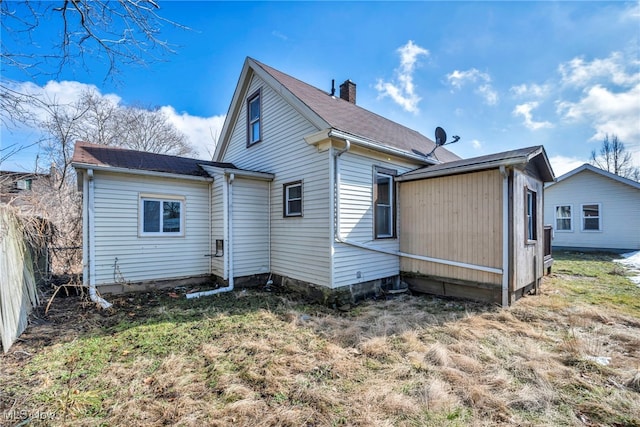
441, 139
441, 136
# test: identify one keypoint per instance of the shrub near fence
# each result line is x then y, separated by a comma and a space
18, 293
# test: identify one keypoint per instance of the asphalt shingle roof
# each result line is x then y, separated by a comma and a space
355, 120
102, 155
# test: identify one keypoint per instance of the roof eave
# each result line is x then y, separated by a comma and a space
141, 172
377, 146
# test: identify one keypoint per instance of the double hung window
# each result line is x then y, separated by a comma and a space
384, 203
254, 119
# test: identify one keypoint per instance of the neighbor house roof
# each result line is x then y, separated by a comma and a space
87, 154
331, 112
604, 173
518, 157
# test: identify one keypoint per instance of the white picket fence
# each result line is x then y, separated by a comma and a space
18, 293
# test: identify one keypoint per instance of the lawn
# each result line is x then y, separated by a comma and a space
569, 356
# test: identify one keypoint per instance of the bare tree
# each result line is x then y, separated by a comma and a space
121, 32
613, 157
96, 119
150, 130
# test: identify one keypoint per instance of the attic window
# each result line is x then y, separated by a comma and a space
254, 118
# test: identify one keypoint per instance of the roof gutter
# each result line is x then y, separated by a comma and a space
410, 176
140, 172
265, 176
372, 145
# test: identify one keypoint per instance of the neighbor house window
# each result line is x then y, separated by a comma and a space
591, 217
161, 216
254, 119
384, 203
531, 215
563, 218
292, 199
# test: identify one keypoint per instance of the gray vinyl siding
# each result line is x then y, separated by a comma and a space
300, 246
250, 227
148, 258
352, 264
619, 211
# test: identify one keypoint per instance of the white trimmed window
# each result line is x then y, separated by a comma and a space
254, 119
161, 216
384, 203
292, 199
591, 217
564, 220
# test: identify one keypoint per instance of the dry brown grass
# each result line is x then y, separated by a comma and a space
264, 360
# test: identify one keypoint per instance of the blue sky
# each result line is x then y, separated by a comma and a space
501, 75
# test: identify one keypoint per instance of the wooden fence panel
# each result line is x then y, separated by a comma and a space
18, 293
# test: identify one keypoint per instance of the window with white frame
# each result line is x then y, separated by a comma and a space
161, 216
563, 218
531, 216
254, 119
292, 199
384, 203
591, 217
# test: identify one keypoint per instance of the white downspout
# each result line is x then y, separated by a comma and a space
336, 195
339, 238
93, 294
505, 236
230, 178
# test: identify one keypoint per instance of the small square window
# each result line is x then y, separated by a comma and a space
161, 216
292, 198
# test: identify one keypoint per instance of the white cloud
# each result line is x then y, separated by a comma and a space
608, 112
531, 90
563, 164
402, 90
457, 79
476, 144
525, 110
488, 93
578, 72
202, 132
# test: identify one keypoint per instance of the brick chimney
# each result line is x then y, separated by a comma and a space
348, 91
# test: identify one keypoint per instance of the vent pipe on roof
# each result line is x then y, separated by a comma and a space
333, 87
348, 91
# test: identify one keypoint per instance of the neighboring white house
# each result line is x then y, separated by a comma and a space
302, 191
591, 208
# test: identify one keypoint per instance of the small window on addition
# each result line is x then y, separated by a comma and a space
531, 216
292, 198
161, 217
